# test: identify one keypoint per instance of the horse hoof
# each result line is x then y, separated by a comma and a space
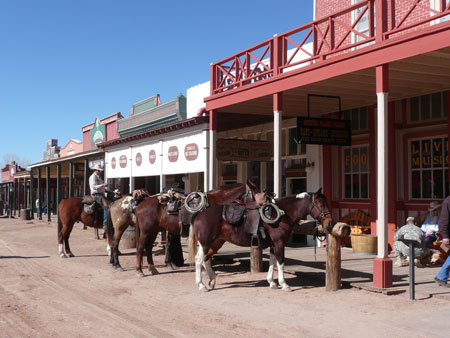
153, 270
171, 267
140, 275
70, 254
119, 268
203, 289
212, 284
274, 286
63, 255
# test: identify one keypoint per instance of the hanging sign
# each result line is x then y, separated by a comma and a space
324, 131
243, 150
172, 154
152, 156
97, 133
138, 159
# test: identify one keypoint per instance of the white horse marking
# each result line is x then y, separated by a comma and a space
272, 283
126, 202
198, 268
303, 195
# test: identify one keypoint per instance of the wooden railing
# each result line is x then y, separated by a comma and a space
343, 32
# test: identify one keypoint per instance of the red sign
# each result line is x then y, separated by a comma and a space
113, 163
191, 151
173, 154
152, 156
123, 161
138, 159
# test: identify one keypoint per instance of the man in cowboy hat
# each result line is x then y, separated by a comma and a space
430, 225
97, 187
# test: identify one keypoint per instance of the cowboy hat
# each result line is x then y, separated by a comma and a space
434, 205
97, 167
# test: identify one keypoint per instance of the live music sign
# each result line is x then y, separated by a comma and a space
324, 131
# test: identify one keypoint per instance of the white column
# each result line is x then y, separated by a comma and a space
206, 172
382, 172
277, 153
212, 159
162, 178
131, 185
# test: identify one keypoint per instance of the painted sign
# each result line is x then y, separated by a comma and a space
152, 156
324, 131
172, 154
98, 133
138, 159
113, 163
243, 150
429, 153
191, 151
123, 161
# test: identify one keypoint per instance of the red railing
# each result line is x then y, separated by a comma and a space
343, 32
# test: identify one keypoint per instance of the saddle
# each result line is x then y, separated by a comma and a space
89, 204
174, 206
240, 212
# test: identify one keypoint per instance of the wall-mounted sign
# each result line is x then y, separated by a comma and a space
138, 159
97, 162
113, 163
324, 131
123, 161
191, 151
243, 150
173, 154
152, 156
97, 133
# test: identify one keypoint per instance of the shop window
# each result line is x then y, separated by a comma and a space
428, 107
428, 166
359, 118
229, 172
356, 172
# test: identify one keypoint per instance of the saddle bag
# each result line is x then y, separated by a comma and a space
173, 207
233, 213
88, 204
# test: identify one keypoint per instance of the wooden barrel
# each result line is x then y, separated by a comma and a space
364, 244
24, 214
128, 240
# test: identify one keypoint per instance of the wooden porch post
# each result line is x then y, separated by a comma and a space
47, 188
382, 266
70, 179
213, 116
39, 187
32, 207
85, 178
58, 186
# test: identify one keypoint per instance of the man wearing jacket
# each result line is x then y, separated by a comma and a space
444, 228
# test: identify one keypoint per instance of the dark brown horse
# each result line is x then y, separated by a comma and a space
212, 232
152, 217
71, 211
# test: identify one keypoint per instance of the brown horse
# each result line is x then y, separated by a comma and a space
122, 216
71, 211
212, 232
152, 217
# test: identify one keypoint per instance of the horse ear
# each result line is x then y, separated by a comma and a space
319, 192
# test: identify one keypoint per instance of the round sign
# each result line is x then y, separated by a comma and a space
123, 161
191, 151
113, 163
138, 159
152, 156
173, 154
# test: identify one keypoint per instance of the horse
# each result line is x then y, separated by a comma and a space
212, 232
152, 217
121, 216
71, 211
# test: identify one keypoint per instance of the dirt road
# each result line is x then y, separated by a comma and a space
43, 295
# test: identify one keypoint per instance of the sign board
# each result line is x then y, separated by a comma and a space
97, 133
146, 160
243, 150
117, 163
324, 131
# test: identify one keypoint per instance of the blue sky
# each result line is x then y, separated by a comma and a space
65, 62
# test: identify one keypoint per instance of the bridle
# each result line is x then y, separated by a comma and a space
321, 215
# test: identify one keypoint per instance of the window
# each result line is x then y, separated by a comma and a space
356, 172
429, 168
359, 117
436, 5
427, 107
294, 148
362, 26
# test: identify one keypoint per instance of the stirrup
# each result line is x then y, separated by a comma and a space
252, 242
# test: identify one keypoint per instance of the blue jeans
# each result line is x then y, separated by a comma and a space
430, 239
444, 273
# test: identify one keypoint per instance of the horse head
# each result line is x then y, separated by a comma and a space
319, 208
139, 195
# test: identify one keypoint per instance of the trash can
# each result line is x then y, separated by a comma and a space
25, 214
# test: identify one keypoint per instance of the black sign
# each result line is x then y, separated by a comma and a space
324, 131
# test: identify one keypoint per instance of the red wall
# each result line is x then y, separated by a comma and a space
111, 131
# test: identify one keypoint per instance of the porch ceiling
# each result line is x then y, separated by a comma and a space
418, 75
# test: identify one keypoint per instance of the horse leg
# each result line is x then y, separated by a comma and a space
199, 260
279, 254
65, 234
215, 246
272, 283
149, 248
140, 245
115, 249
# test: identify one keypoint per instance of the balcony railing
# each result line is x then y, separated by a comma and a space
343, 32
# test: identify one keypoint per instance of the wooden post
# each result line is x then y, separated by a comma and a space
333, 264
39, 193
58, 186
256, 260
85, 178
32, 201
70, 179
47, 189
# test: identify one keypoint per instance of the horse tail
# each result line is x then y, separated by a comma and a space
138, 231
192, 245
109, 225
59, 223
